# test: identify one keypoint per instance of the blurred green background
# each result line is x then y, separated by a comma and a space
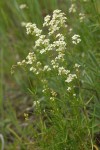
15, 44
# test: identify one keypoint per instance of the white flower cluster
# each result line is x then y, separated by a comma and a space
44, 44
81, 17
32, 29
31, 58
36, 103
50, 51
77, 65
62, 70
70, 78
58, 20
42, 41
46, 68
72, 9
76, 39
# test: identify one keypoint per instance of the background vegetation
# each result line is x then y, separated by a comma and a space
15, 96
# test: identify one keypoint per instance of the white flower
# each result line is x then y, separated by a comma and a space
54, 64
57, 21
70, 78
33, 69
52, 98
76, 39
44, 90
70, 30
69, 89
23, 6
62, 70
46, 21
82, 17
31, 58
72, 9
36, 103
42, 41
32, 29
60, 57
39, 41
46, 68
57, 11
77, 65
19, 63
42, 51
74, 95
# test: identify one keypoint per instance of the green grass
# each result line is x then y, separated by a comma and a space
48, 130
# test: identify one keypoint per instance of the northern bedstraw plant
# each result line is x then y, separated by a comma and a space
62, 121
